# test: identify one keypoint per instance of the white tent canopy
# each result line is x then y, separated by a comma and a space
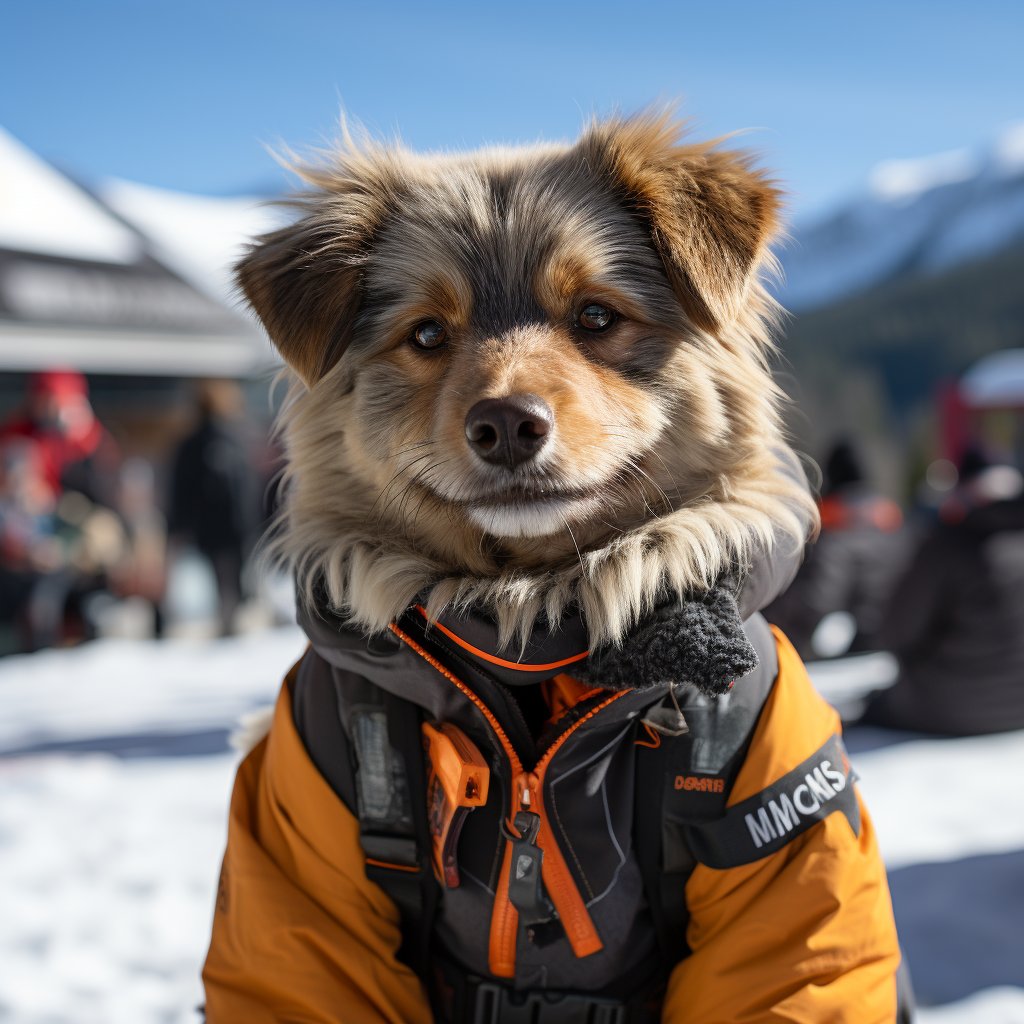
995, 381
200, 237
84, 287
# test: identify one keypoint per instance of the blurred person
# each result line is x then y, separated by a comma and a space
53, 553
978, 477
76, 451
27, 505
852, 566
142, 569
955, 620
214, 503
28, 549
92, 542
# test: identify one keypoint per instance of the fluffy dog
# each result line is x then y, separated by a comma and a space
532, 390
528, 378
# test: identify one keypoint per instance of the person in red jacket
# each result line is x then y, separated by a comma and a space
75, 450
63, 449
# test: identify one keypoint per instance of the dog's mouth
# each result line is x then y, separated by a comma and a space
529, 493
532, 508
535, 513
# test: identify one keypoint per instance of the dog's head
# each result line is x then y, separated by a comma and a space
514, 352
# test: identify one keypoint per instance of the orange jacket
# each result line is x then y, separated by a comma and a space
300, 934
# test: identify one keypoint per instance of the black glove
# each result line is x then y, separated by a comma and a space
697, 639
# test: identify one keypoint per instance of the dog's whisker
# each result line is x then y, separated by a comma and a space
642, 474
651, 451
572, 536
413, 447
394, 479
642, 492
417, 480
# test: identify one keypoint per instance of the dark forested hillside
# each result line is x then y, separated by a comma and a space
872, 363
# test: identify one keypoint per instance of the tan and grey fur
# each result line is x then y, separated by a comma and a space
662, 470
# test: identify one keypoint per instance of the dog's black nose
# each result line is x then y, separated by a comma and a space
509, 431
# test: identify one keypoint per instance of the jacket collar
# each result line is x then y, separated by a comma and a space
699, 632
468, 632
545, 653
698, 639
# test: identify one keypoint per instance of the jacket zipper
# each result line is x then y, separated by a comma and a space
527, 789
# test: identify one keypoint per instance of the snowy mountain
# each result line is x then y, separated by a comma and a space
916, 218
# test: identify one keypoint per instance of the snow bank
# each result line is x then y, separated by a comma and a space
941, 800
992, 1006
110, 864
114, 688
109, 874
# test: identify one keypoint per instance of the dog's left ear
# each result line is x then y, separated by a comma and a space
297, 281
710, 212
304, 281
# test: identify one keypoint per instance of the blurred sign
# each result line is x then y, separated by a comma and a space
118, 318
48, 291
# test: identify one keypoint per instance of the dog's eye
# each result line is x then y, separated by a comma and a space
595, 318
429, 334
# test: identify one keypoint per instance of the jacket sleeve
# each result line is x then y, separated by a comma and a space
805, 934
299, 932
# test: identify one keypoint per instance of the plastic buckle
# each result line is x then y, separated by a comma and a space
495, 1004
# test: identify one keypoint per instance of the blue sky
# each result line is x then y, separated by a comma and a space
183, 94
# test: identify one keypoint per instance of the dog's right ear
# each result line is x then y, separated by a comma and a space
711, 213
303, 283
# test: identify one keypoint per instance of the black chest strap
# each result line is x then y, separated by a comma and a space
683, 783
665, 890
367, 745
393, 827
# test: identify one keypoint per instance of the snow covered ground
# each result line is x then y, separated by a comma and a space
114, 782
114, 788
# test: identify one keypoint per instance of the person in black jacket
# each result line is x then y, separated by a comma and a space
213, 494
853, 564
956, 620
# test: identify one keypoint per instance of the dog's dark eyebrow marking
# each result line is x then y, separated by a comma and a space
502, 256
501, 305
494, 230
